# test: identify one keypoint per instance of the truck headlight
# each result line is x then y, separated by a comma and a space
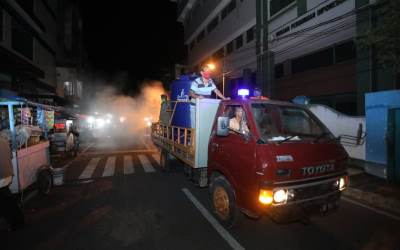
342, 183
280, 196
265, 197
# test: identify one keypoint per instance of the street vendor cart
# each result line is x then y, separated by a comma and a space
29, 146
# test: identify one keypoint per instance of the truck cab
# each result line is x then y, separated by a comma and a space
285, 160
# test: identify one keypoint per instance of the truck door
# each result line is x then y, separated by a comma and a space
234, 155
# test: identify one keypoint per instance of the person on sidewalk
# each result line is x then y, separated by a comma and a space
8, 203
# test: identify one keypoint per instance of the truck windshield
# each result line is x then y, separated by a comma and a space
286, 123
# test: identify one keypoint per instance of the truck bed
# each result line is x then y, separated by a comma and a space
189, 145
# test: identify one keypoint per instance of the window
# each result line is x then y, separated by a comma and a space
211, 26
345, 51
229, 48
279, 73
237, 119
239, 41
278, 123
200, 36
250, 35
21, 40
277, 5
228, 9
231, 6
319, 59
301, 7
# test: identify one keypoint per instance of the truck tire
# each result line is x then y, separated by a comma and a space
224, 202
165, 161
44, 182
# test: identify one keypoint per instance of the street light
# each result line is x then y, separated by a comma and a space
211, 66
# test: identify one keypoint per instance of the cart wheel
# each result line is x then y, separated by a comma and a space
165, 161
224, 202
44, 182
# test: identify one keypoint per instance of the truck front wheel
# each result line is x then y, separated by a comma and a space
224, 202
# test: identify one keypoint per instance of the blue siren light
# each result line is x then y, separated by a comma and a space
243, 92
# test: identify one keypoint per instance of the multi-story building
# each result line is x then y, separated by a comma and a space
28, 47
222, 32
37, 36
71, 56
287, 47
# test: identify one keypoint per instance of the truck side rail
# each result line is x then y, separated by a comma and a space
178, 141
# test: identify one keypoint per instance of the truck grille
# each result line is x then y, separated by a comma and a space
309, 192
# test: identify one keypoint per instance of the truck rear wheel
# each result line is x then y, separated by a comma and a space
165, 161
224, 202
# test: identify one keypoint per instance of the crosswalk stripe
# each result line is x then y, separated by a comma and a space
110, 166
156, 157
128, 165
146, 164
88, 171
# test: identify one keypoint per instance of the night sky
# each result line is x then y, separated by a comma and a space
125, 36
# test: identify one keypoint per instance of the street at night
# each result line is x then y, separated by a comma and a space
143, 208
200, 124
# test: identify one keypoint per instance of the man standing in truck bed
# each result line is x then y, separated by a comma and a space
203, 86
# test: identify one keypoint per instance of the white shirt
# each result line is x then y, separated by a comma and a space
200, 88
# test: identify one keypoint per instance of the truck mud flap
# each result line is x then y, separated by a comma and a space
197, 175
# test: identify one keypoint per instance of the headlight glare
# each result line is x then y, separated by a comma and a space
280, 196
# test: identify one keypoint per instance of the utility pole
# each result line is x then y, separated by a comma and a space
265, 58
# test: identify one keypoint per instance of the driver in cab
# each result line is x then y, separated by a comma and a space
238, 122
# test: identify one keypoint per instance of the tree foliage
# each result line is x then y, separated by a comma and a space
384, 35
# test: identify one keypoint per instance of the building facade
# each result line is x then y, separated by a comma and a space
28, 47
31, 48
287, 47
71, 54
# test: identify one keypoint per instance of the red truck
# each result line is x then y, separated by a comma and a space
287, 159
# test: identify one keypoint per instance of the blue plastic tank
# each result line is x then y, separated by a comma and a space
180, 92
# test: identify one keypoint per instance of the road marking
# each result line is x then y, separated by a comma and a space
145, 144
156, 157
88, 171
121, 152
146, 164
128, 165
71, 161
371, 208
220, 229
110, 167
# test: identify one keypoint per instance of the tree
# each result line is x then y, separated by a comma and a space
384, 36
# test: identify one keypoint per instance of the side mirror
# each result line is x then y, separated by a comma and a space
223, 126
246, 136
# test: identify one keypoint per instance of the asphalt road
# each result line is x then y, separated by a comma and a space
116, 197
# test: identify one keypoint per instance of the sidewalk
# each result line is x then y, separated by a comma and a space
373, 191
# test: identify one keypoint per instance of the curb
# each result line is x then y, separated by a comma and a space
374, 200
